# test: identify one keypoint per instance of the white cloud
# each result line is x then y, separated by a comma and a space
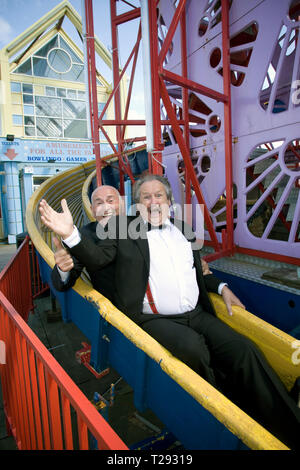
6, 32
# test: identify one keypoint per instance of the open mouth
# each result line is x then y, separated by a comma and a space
104, 213
154, 210
108, 212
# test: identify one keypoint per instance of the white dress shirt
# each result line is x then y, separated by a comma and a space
172, 275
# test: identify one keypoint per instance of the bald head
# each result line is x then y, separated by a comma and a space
106, 201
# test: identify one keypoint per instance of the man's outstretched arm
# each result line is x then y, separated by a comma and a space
93, 255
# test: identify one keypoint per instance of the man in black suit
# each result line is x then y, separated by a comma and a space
159, 284
105, 202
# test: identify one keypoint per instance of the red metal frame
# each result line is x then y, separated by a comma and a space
15, 281
179, 122
37, 392
159, 91
227, 246
92, 84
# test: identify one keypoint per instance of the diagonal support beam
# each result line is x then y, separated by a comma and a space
191, 85
187, 161
168, 39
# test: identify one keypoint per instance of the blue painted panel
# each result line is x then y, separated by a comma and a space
275, 306
191, 423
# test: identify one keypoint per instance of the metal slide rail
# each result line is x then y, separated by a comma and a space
39, 398
275, 344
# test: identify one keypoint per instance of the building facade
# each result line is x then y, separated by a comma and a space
44, 111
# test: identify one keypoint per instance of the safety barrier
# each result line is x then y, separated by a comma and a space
40, 400
15, 280
160, 381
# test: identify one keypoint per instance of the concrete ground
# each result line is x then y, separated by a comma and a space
63, 340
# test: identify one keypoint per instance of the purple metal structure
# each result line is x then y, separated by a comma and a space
226, 100
265, 73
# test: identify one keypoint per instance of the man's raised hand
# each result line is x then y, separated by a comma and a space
59, 222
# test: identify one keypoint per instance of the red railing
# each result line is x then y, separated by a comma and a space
15, 281
37, 285
39, 398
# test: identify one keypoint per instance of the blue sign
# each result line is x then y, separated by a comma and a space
41, 151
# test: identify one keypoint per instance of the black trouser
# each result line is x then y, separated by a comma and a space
231, 363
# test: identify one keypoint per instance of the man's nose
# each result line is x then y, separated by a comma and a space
154, 201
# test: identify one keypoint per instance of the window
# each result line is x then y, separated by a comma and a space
75, 128
48, 127
27, 88
59, 60
17, 120
72, 94
74, 109
46, 106
38, 180
29, 131
28, 99
59, 113
28, 110
29, 120
56, 60
15, 87
50, 91
61, 92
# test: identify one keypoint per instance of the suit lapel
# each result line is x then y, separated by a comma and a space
138, 234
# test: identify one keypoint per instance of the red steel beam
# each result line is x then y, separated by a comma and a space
227, 124
90, 46
191, 85
136, 48
128, 16
187, 160
156, 162
171, 31
117, 84
185, 114
135, 122
116, 80
186, 84
268, 255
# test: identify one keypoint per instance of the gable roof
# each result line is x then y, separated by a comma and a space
37, 34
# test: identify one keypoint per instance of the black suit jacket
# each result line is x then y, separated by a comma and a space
130, 253
102, 279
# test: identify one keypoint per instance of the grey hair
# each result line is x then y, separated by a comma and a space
136, 192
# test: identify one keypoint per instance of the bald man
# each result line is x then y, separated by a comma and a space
105, 202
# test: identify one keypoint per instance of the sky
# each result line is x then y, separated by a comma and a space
17, 15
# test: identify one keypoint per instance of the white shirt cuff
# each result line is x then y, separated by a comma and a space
220, 287
64, 275
73, 239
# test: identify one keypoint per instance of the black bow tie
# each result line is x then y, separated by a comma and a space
155, 227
